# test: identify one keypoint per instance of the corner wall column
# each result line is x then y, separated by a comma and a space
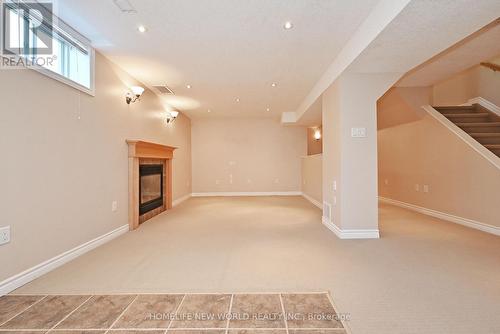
350, 162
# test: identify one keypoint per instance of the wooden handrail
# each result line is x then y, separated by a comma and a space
491, 66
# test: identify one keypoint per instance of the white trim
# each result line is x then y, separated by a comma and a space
312, 200
464, 136
350, 234
484, 103
311, 156
181, 199
28, 275
248, 193
444, 216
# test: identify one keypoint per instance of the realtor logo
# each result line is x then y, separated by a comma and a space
27, 28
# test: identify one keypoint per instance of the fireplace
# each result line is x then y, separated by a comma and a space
150, 187
150, 180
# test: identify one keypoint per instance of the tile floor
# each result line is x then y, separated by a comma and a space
311, 313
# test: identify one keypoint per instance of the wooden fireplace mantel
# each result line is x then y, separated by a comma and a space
144, 149
142, 152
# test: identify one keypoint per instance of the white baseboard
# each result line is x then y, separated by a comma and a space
250, 193
444, 216
181, 199
312, 200
14, 282
350, 234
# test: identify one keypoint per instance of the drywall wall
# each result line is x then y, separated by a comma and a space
312, 177
314, 146
65, 160
418, 150
246, 155
349, 162
474, 82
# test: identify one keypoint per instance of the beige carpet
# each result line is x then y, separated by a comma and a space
423, 276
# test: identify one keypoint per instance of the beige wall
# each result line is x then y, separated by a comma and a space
246, 155
474, 82
352, 162
420, 150
314, 146
312, 177
64, 160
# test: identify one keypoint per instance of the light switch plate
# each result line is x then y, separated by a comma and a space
4, 235
114, 206
358, 132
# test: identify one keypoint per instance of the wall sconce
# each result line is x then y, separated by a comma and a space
317, 134
171, 116
134, 94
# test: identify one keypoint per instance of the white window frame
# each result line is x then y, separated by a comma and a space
61, 78
61, 25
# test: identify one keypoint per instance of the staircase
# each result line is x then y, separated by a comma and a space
480, 123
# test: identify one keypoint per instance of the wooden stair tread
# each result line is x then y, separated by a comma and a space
487, 124
472, 114
485, 134
492, 146
455, 108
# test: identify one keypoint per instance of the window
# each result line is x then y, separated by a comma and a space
70, 57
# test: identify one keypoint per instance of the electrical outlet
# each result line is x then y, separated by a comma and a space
386, 182
114, 206
4, 235
334, 185
417, 187
426, 188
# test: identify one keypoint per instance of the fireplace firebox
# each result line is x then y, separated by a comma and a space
150, 187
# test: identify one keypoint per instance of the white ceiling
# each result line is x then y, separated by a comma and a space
481, 46
422, 30
224, 48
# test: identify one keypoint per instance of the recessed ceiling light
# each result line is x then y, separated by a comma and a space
268, 109
188, 86
142, 28
288, 25
274, 84
237, 99
209, 110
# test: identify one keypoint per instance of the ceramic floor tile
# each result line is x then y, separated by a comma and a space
77, 331
97, 313
23, 332
12, 305
257, 331
257, 311
203, 311
317, 331
150, 311
310, 311
46, 313
147, 331
196, 331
